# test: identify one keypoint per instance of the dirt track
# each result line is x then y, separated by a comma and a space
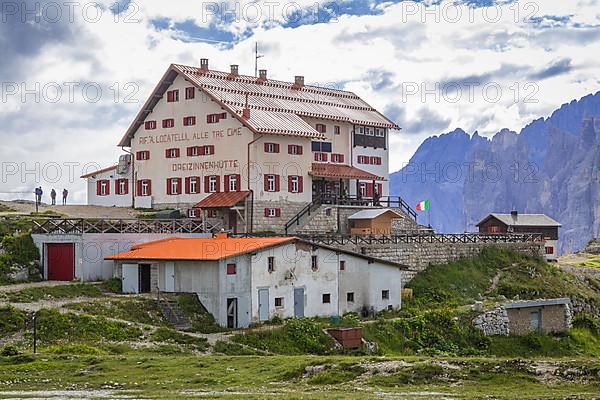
73, 211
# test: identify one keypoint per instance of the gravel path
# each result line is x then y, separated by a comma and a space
21, 207
20, 286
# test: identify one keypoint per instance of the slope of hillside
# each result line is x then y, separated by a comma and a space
551, 167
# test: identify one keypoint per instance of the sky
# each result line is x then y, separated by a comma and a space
74, 74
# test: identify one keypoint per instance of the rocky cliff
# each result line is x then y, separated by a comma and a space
552, 166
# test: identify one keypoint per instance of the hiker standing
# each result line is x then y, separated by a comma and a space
53, 196
65, 194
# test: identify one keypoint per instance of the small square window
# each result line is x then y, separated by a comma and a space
271, 264
279, 302
342, 265
314, 263
350, 297
326, 298
231, 269
336, 130
385, 295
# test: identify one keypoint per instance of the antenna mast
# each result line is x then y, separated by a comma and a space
256, 57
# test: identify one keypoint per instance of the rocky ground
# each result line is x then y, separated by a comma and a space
23, 207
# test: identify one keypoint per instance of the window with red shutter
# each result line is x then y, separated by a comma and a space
142, 155
300, 184
173, 96
190, 92
277, 188
206, 184
231, 269
168, 123
271, 148
149, 125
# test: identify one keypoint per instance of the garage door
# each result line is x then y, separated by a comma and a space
61, 261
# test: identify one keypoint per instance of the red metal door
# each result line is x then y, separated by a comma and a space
61, 261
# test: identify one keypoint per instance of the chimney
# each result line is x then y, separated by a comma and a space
262, 74
299, 80
246, 113
234, 69
221, 235
204, 64
514, 213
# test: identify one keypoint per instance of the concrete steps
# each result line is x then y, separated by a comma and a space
172, 312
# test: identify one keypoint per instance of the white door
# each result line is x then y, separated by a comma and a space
170, 277
263, 304
131, 279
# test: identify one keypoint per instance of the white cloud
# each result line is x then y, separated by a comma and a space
411, 49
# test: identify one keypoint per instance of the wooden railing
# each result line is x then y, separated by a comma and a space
424, 238
387, 201
84, 225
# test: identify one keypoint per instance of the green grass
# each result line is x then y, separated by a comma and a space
202, 321
187, 376
172, 336
11, 320
5, 208
54, 292
141, 310
56, 328
296, 336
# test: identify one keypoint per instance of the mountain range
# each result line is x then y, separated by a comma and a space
552, 166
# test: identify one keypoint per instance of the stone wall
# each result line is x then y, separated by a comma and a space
493, 322
330, 219
274, 224
517, 321
418, 256
554, 318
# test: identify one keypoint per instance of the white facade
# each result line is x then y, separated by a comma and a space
291, 288
235, 145
91, 249
109, 188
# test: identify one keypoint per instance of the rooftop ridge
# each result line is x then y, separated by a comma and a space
267, 82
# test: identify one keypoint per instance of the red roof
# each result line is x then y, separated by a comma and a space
198, 249
225, 199
341, 172
276, 107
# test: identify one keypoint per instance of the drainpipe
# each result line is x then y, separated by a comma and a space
133, 177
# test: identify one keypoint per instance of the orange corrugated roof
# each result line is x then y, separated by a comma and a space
341, 172
198, 249
225, 199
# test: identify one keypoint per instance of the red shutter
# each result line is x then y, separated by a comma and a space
300, 184
212, 149
169, 96
276, 147
179, 189
300, 148
169, 186
138, 155
238, 182
126, 186
278, 212
266, 183
206, 184
187, 184
208, 118
316, 156
290, 183
277, 183
341, 158
177, 152
139, 188
379, 188
149, 187
266, 147
218, 185
98, 187
226, 183
117, 187
290, 146
167, 155
369, 189
266, 212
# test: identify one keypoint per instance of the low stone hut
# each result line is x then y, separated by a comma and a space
522, 317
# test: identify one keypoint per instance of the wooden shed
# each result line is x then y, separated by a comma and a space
373, 222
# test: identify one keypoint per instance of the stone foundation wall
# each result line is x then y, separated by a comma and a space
275, 224
418, 256
493, 322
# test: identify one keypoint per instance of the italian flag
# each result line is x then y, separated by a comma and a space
423, 206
